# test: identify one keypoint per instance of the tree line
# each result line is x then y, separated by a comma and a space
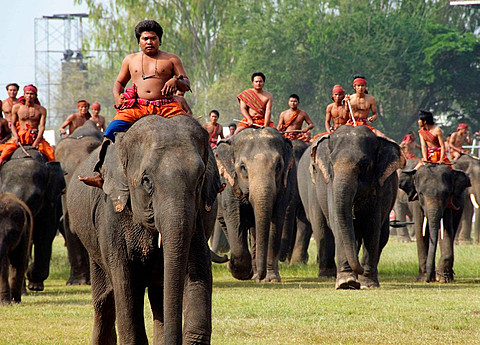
414, 54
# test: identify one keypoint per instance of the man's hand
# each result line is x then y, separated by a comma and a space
35, 144
62, 131
170, 86
372, 118
15, 138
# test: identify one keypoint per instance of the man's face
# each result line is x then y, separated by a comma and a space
149, 42
338, 97
30, 96
360, 88
95, 112
213, 118
82, 109
232, 130
293, 103
420, 123
12, 91
258, 83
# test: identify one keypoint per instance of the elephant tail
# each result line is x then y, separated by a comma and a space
217, 258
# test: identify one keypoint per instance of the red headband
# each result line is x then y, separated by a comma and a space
462, 126
30, 88
82, 102
96, 105
338, 89
359, 81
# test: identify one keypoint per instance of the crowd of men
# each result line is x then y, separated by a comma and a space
159, 83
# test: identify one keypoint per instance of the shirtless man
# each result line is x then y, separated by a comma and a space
457, 139
10, 101
408, 145
336, 111
180, 98
291, 121
31, 118
97, 118
255, 105
231, 128
77, 119
362, 104
156, 75
431, 140
213, 128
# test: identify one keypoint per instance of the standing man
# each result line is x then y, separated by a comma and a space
431, 140
255, 105
10, 101
336, 111
97, 118
291, 121
31, 118
457, 139
77, 119
156, 75
362, 104
213, 128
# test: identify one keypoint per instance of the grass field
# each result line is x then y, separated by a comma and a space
303, 309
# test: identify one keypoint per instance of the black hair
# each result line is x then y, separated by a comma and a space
148, 25
294, 95
13, 84
234, 125
359, 76
259, 74
215, 112
426, 116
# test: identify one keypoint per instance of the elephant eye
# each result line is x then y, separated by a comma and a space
243, 170
147, 184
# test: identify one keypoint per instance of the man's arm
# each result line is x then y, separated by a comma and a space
309, 122
268, 110
244, 111
102, 119
328, 117
439, 133
220, 127
66, 123
373, 118
175, 83
15, 109
424, 149
41, 127
122, 80
281, 120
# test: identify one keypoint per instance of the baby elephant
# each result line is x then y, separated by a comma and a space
16, 224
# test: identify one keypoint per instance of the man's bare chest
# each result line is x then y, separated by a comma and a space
29, 113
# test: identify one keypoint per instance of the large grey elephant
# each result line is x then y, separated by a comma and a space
441, 192
39, 184
256, 165
16, 225
145, 230
348, 184
471, 166
70, 152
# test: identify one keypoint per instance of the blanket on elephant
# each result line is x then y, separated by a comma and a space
27, 137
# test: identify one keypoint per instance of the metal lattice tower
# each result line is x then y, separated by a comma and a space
58, 47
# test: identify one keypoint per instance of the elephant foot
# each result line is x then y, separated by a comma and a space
272, 277
444, 277
422, 278
368, 282
35, 286
347, 281
77, 281
327, 272
403, 239
299, 259
464, 241
239, 274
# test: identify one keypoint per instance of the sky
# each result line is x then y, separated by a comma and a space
17, 49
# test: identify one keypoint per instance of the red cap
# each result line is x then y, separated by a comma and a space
30, 87
338, 89
96, 105
83, 102
462, 126
359, 81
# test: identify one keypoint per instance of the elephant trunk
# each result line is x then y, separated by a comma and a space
262, 200
176, 227
434, 217
344, 190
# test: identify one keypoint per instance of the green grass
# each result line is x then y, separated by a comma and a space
303, 309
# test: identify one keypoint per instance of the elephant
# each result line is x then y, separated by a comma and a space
257, 166
296, 228
471, 166
16, 226
39, 184
144, 230
441, 192
70, 152
348, 183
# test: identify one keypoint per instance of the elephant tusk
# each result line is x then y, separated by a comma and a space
474, 201
441, 229
159, 240
424, 227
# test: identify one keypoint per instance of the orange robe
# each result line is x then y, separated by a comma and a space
27, 137
251, 99
434, 151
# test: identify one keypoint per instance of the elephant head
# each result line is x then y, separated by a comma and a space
256, 165
163, 180
354, 163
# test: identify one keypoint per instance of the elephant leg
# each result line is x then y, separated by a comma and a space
219, 239
302, 239
464, 235
325, 244
197, 301
4, 285
273, 253
253, 249
18, 266
288, 231
371, 248
444, 272
421, 241
401, 211
45, 227
77, 256
155, 296
477, 226
103, 308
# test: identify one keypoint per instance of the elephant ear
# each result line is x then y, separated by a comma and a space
320, 158
406, 183
461, 181
115, 183
226, 165
56, 181
389, 159
289, 162
211, 181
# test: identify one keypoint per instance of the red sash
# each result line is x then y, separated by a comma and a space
251, 99
287, 124
427, 136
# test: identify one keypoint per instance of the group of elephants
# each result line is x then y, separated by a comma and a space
165, 190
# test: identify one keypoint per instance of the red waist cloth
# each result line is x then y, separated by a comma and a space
27, 137
297, 136
360, 122
258, 120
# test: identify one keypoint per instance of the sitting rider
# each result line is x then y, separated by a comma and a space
155, 74
457, 139
291, 121
77, 119
336, 111
28, 125
213, 128
408, 145
97, 118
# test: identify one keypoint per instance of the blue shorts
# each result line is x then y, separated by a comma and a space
116, 126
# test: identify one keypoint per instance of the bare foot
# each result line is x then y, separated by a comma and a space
94, 181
